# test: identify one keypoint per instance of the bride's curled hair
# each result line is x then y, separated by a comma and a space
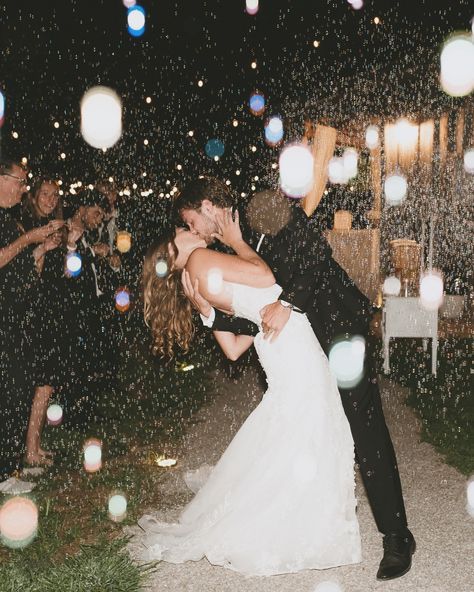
167, 311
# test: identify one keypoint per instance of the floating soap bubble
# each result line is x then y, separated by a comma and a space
18, 522
372, 137
395, 188
251, 6
274, 131
73, 263
356, 4
161, 268
457, 66
268, 212
122, 299
431, 290
123, 241
136, 20
117, 507
346, 361
214, 281
469, 161
214, 147
296, 170
54, 414
350, 159
92, 455
336, 171
392, 286
129, 3
101, 117
257, 103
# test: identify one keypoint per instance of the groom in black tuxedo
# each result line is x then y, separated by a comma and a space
313, 283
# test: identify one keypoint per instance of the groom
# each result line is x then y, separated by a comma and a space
315, 284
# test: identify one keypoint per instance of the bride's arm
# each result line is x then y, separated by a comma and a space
233, 345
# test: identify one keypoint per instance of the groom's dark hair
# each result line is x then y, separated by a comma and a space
193, 194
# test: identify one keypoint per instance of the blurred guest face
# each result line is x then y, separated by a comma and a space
12, 186
93, 217
47, 198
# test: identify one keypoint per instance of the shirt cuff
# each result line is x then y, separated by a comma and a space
209, 321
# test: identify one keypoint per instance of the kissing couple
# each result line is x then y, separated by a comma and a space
281, 498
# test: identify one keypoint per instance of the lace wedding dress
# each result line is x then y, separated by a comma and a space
281, 498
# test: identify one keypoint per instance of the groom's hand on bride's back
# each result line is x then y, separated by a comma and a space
192, 293
274, 318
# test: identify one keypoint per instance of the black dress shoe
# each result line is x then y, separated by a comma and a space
397, 552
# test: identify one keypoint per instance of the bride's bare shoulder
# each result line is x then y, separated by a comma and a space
203, 258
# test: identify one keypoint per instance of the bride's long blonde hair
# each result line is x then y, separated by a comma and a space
167, 311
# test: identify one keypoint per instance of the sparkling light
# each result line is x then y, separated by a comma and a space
395, 188
457, 66
431, 290
148, 100
346, 361
392, 286
469, 161
73, 263
166, 462
136, 20
15, 135
18, 522
122, 299
251, 6
56, 124
124, 241
161, 268
253, 65
315, 43
356, 4
296, 170
101, 117
190, 133
372, 137
54, 414
376, 20
117, 507
200, 83
274, 131
214, 281
92, 455
235, 123
257, 103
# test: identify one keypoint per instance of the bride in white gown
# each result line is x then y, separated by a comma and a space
281, 497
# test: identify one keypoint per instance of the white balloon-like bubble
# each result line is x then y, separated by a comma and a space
469, 161
92, 455
395, 189
101, 117
161, 268
457, 66
431, 290
54, 414
346, 361
392, 286
117, 506
350, 159
73, 263
18, 522
296, 165
372, 137
251, 6
336, 171
129, 3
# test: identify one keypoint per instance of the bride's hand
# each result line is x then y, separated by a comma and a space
229, 228
192, 293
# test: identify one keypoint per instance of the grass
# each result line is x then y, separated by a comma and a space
77, 546
444, 403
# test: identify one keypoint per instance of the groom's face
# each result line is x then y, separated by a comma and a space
202, 222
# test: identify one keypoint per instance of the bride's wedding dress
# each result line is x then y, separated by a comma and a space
281, 498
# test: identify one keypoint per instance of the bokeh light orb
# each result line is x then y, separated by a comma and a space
336, 171
214, 147
18, 522
54, 414
73, 263
296, 165
215, 280
356, 4
92, 455
129, 3
2, 108
457, 66
328, 586
251, 6
350, 159
268, 212
274, 131
101, 117
122, 299
395, 189
346, 361
123, 241
166, 462
469, 161
392, 286
372, 137
257, 103
136, 20
470, 496
431, 290
117, 507
161, 268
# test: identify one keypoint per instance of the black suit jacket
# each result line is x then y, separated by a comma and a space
301, 260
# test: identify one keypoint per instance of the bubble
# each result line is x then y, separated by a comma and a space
431, 290
457, 66
406, 132
2, 107
136, 20
251, 6
92, 455
122, 299
73, 263
392, 286
129, 3
395, 188
18, 522
117, 507
214, 281
268, 212
161, 268
328, 586
214, 147
101, 117
166, 462
346, 361
123, 241
470, 496
469, 161
336, 171
296, 170
356, 4
372, 136
54, 414
349, 159
257, 103
274, 131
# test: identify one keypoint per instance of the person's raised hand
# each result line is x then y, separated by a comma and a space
192, 293
229, 227
274, 318
101, 249
40, 234
52, 242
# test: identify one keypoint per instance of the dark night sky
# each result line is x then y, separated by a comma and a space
51, 52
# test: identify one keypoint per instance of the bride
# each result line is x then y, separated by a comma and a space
281, 497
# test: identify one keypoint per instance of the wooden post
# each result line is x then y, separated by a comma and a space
443, 140
460, 132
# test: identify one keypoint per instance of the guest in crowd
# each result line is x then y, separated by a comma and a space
18, 277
